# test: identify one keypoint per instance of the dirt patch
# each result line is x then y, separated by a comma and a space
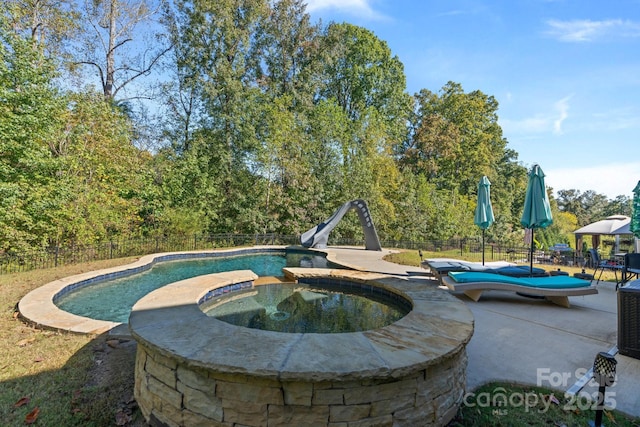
112, 375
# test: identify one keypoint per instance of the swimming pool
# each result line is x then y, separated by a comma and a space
112, 299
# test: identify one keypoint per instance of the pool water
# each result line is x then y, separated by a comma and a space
112, 300
301, 308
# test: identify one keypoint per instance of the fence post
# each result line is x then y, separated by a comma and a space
110, 249
55, 260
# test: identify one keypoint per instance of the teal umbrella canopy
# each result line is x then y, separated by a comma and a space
635, 215
537, 211
483, 217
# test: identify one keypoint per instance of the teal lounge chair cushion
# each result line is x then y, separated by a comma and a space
551, 282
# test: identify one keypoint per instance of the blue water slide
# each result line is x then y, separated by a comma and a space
317, 237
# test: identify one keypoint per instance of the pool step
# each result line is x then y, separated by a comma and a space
265, 280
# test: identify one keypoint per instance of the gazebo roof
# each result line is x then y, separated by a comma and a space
613, 225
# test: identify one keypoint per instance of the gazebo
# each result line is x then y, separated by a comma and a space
615, 225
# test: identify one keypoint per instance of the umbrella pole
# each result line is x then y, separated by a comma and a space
483, 246
531, 254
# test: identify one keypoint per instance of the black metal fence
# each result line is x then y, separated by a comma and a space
55, 256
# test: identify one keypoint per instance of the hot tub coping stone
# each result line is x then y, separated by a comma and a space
169, 321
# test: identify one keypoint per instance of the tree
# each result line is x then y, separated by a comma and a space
360, 73
621, 205
288, 46
100, 171
435, 142
111, 27
457, 137
285, 162
357, 74
48, 24
587, 207
217, 56
508, 188
570, 201
29, 119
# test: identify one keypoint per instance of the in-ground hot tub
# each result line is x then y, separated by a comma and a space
192, 369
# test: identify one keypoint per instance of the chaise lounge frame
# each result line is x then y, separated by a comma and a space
559, 296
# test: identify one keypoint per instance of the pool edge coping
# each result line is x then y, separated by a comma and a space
38, 308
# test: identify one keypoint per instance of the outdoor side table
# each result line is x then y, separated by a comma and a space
629, 319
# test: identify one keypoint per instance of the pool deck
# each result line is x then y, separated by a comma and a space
516, 339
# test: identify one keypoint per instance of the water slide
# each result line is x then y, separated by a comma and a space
317, 237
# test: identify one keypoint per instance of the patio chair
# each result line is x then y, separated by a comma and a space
601, 265
556, 289
631, 267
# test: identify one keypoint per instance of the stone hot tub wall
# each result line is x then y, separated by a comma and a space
194, 370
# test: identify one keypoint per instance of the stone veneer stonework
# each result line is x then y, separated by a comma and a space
193, 370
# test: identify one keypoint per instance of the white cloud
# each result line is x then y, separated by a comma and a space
542, 122
562, 108
360, 8
612, 180
535, 124
615, 119
585, 30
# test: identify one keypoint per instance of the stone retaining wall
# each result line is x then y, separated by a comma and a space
170, 393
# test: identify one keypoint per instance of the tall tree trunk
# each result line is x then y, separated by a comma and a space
110, 71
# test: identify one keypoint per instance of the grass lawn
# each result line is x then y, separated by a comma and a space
503, 404
61, 379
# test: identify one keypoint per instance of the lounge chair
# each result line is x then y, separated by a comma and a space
556, 289
440, 267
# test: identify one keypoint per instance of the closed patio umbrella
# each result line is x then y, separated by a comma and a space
537, 211
635, 214
483, 217
634, 226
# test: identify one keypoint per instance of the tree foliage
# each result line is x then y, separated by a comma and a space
48, 24
267, 123
457, 138
30, 111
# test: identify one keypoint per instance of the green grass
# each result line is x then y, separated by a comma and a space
71, 380
504, 404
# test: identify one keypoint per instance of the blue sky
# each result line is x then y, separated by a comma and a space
566, 74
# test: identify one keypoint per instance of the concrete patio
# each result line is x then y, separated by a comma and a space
531, 341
